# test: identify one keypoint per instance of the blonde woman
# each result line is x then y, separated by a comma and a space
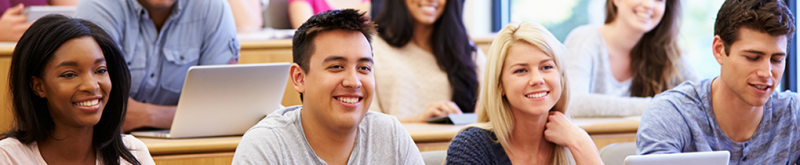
521, 106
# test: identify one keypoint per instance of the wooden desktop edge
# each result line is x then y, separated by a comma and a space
228, 144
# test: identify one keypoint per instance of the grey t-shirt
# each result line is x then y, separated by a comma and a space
279, 139
682, 120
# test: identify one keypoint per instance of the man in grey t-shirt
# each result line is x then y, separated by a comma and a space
332, 70
738, 111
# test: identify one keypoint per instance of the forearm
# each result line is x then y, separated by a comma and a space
161, 116
147, 115
585, 152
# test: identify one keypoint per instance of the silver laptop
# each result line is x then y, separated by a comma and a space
220, 100
692, 158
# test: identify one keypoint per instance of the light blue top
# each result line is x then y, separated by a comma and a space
197, 32
682, 120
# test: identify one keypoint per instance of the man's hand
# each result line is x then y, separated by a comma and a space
138, 116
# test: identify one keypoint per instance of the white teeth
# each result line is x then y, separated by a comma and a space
537, 95
761, 87
350, 100
428, 8
643, 15
89, 103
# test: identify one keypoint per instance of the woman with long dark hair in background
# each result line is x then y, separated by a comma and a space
425, 64
615, 69
69, 90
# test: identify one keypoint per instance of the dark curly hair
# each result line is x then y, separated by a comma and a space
766, 16
345, 19
34, 50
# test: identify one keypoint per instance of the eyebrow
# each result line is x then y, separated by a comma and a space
762, 53
340, 58
526, 64
75, 64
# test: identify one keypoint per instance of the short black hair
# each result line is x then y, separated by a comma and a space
766, 16
32, 53
345, 19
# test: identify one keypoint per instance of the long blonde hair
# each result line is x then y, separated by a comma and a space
494, 111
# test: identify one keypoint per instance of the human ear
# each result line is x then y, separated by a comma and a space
718, 48
297, 77
37, 85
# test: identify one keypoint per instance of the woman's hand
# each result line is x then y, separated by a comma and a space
561, 131
435, 109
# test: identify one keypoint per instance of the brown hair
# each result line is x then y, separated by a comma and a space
766, 16
346, 19
655, 57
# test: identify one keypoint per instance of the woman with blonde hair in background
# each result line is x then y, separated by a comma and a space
521, 106
618, 67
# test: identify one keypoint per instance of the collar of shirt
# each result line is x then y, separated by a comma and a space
142, 12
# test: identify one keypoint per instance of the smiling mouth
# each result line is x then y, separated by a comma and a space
643, 15
88, 103
760, 87
349, 100
537, 95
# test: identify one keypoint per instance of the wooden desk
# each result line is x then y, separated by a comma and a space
428, 137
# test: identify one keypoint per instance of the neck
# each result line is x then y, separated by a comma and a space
159, 15
68, 144
527, 141
620, 39
735, 117
422, 36
331, 143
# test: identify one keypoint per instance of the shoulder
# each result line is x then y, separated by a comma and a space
278, 122
138, 149
379, 121
586, 34
280, 118
786, 104
133, 144
92, 9
473, 136
472, 146
205, 10
381, 47
12, 151
12, 144
689, 100
92, 4
204, 5
688, 92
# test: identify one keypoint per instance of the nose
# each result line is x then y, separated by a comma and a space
352, 80
536, 79
648, 4
90, 84
764, 69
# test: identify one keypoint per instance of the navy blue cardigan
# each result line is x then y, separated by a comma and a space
476, 146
